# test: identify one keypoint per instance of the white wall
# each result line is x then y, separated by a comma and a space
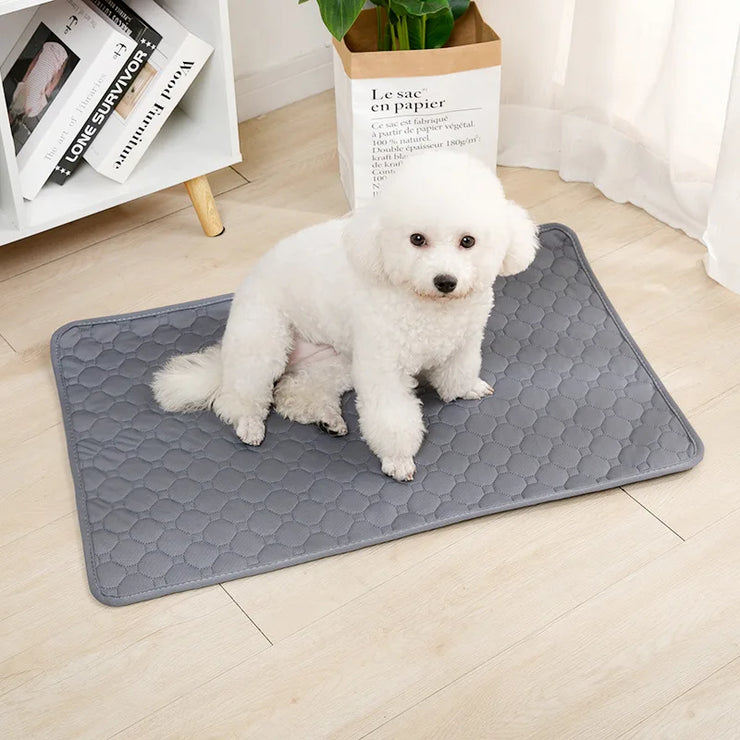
281, 53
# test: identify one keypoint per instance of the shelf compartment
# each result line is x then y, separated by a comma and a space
200, 136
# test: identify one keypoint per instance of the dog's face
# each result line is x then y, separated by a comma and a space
442, 228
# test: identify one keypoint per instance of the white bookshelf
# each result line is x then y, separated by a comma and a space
201, 135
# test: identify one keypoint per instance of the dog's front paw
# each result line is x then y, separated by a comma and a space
480, 389
400, 468
250, 430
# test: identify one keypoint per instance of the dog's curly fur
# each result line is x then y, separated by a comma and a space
359, 285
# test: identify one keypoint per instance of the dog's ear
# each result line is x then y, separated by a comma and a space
523, 242
361, 233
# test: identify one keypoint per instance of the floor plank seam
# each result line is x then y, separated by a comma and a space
647, 234
732, 512
678, 696
239, 606
653, 514
120, 233
7, 692
40, 432
71, 512
240, 175
554, 196
690, 306
15, 351
729, 392
529, 636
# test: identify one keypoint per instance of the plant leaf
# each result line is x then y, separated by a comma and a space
458, 7
418, 7
415, 33
339, 15
439, 28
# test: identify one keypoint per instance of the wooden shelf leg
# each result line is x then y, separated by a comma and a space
200, 194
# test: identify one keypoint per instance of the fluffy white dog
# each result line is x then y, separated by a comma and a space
398, 290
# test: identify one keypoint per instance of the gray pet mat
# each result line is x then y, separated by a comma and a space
169, 502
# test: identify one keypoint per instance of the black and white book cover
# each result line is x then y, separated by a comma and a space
59, 68
147, 38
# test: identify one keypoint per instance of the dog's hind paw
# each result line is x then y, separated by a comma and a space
251, 431
335, 429
480, 389
400, 468
331, 422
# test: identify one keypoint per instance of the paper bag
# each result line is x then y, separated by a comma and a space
391, 104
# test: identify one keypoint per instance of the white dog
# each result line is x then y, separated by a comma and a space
395, 291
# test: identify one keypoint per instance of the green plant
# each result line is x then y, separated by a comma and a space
402, 24
416, 24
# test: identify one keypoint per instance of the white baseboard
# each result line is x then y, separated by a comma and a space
275, 87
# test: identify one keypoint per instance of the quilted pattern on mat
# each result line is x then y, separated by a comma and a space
169, 502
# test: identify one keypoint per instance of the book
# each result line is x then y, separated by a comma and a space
147, 39
155, 93
60, 66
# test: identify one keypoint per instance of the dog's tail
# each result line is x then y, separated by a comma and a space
189, 382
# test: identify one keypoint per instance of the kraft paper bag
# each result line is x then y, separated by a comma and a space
391, 104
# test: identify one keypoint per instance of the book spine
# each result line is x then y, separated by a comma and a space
119, 13
70, 161
129, 22
176, 77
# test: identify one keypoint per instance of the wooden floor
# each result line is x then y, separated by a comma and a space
605, 616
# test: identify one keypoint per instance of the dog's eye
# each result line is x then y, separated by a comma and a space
467, 241
418, 240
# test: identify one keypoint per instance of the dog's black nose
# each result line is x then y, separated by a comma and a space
445, 283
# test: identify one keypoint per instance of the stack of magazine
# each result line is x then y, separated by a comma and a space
94, 80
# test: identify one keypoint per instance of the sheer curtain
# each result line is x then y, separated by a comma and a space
640, 97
